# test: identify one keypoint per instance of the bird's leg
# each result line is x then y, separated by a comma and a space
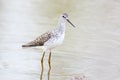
49, 60
42, 65
49, 63
42, 57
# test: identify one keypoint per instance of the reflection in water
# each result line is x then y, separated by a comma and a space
49, 63
42, 66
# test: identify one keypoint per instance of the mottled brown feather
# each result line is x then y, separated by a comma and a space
39, 41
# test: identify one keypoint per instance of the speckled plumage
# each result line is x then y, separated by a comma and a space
39, 41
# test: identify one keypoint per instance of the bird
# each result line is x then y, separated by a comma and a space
51, 39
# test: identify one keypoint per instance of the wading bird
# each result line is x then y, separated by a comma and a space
51, 39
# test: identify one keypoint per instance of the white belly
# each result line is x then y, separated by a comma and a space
54, 42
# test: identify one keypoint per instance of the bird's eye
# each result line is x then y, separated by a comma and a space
63, 16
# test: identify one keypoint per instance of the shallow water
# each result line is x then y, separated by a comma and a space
90, 50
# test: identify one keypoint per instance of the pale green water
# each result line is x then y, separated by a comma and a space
91, 50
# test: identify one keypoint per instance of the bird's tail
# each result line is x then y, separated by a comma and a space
26, 45
30, 44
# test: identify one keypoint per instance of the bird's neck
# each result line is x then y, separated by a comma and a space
61, 25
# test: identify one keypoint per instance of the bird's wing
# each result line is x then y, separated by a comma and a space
39, 41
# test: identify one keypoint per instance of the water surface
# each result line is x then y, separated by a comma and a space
91, 49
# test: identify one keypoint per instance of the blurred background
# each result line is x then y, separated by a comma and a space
92, 49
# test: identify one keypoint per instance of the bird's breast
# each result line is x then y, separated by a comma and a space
60, 39
55, 41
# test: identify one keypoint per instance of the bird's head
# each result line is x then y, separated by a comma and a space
65, 16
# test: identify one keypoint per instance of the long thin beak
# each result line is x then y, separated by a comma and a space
70, 22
